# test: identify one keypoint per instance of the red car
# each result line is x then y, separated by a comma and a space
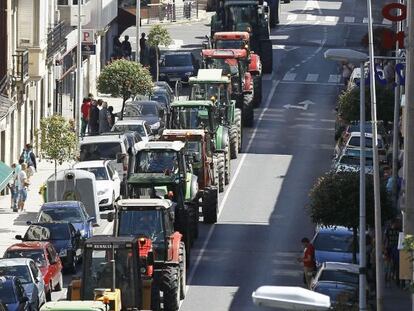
46, 258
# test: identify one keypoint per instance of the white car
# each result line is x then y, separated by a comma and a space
134, 125
349, 161
108, 183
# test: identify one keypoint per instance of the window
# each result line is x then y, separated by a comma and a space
22, 272
99, 172
339, 276
7, 295
34, 269
99, 151
37, 255
177, 60
110, 172
332, 242
142, 223
52, 231
156, 161
60, 214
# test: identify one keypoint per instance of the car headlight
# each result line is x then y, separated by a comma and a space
155, 125
101, 192
63, 252
190, 73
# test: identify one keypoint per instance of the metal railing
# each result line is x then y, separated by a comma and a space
56, 38
20, 66
171, 12
3, 83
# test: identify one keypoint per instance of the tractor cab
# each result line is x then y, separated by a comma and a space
231, 40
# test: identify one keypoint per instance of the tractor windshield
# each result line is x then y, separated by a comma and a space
156, 161
190, 117
229, 66
205, 91
230, 44
100, 271
240, 17
138, 223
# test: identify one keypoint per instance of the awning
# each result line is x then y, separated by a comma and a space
6, 173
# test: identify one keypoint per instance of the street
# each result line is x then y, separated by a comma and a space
262, 213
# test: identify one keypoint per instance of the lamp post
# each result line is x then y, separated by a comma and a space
78, 99
353, 56
138, 23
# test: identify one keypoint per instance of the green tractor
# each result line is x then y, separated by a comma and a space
250, 16
202, 114
211, 84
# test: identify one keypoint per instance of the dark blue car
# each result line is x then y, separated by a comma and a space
64, 237
12, 294
178, 66
73, 212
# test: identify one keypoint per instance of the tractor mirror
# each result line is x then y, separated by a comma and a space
110, 217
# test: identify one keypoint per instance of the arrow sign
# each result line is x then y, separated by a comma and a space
302, 105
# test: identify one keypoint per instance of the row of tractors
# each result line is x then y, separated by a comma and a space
176, 180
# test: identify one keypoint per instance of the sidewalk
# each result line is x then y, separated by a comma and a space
396, 298
12, 223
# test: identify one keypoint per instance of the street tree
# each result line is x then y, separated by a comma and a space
348, 104
57, 141
158, 35
334, 201
124, 78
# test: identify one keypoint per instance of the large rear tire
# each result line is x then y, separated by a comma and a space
248, 113
221, 166
257, 90
183, 269
234, 142
210, 205
170, 286
238, 123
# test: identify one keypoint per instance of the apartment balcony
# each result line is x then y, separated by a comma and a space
56, 39
20, 70
69, 11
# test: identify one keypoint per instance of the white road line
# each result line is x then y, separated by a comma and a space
386, 21
289, 76
291, 17
349, 19
365, 20
310, 83
334, 78
234, 178
278, 37
331, 18
312, 77
278, 47
310, 17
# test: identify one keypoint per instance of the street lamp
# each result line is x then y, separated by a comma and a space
352, 56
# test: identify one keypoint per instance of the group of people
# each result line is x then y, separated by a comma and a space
122, 49
97, 116
19, 184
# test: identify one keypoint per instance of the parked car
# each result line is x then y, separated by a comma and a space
178, 66
349, 161
73, 212
342, 295
337, 272
108, 183
162, 96
63, 236
151, 111
30, 277
13, 295
164, 85
333, 244
136, 125
45, 257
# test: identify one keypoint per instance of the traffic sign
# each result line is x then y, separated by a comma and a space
88, 49
88, 36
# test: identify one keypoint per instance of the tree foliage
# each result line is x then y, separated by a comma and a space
57, 138
159, 35
348, 104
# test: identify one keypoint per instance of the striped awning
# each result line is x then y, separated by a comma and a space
6, 173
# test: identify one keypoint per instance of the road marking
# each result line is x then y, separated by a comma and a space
349, 19
312, 77
304, 105
289, 76
291, 17
386, 21
365, 20
331, 18
334, 78
234, 177
310, 83
278, 37
310, 17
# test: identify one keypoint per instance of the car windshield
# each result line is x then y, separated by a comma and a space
190, 117
99, 151
7, 294
21, 272
46, 232
159, 98
339, 276
350, 160
177, 60
60, 214
135, 109
99, 172
355, 142
142, 223
333, 242
37, 255
337, 293
230, 44
156, 161
139, 128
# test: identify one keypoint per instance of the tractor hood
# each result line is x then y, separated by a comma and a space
152, 179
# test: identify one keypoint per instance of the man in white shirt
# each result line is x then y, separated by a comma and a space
23, 183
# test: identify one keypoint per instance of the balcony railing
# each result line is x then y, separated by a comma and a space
20, 66
56, 38
3, 83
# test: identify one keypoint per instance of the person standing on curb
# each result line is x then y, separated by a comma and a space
13, 188
142, 48
105, 119
86, 105
308, 260
94, 119
23, 184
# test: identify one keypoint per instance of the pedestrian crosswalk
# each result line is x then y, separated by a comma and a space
312, 78
332, 19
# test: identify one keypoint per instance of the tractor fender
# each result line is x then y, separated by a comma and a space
222, 138
191, 186
173, 251
248, 83
255, 66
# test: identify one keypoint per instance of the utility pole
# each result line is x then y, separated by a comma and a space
78, 100
138, 23
377, 199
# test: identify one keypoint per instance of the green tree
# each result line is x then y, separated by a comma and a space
157, 36
57, 141
348, 104
124, 78
334, 201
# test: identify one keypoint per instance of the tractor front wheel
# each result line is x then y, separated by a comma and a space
257, 90
170, 286
234, 142
221, 167
210, 205
183, 269
248, 113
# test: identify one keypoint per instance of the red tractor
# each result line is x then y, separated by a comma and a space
234, 63
241, 40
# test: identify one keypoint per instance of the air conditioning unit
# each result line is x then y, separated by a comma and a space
37, 63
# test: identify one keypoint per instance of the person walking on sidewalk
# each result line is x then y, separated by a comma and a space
142, 48
94, 119
308, 260
104, 119
23, 184
12, 185
86, 106
30, 159
126, 48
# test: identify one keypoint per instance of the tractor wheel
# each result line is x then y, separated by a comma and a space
248, 118
234, 141
227, 172
170, 286
221, 166
183, 269
266, 56
257, 90
210, 205
238, 123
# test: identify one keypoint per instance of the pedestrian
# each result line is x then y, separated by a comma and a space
12, 185
111, 112
389, 74
93, 118
86, 106
23, 184
142, 47
346, 72
30, 159
126, 48
117, 47
99, 103
308, 260
104, 119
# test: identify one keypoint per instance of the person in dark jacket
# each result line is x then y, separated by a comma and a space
126, 48
94, 118
111, 112
30, 159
